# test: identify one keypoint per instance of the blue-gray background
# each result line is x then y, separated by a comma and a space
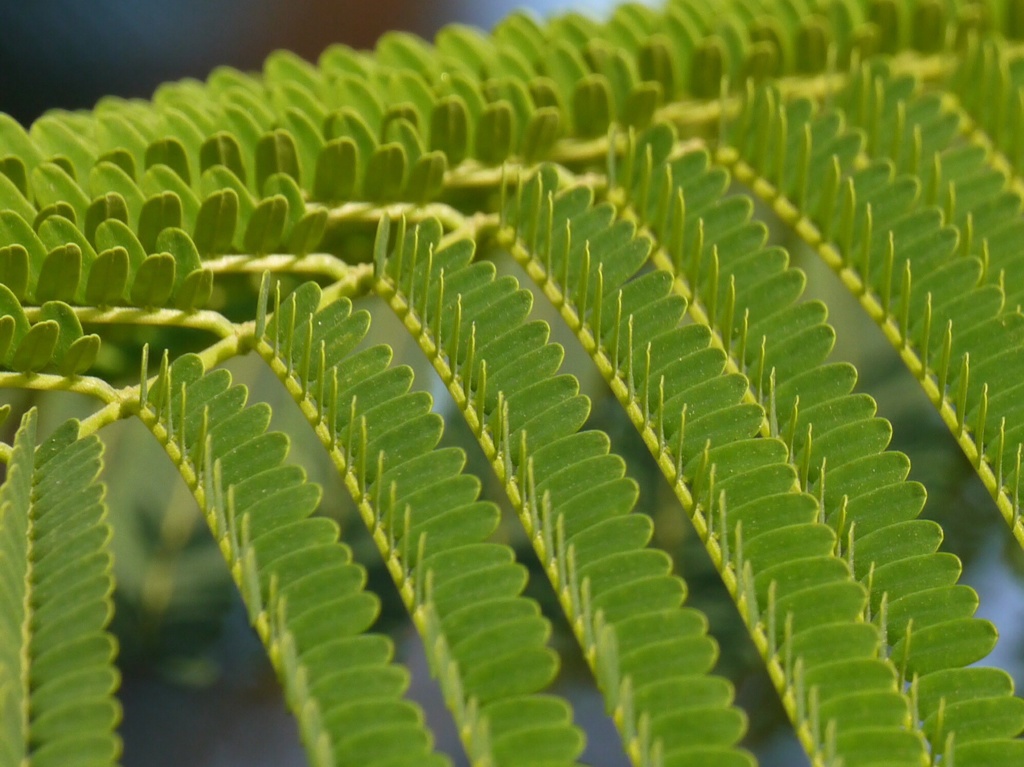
197, 689
68, 53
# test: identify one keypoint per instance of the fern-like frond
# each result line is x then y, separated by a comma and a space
57, 674
941, 307
736, 488
711, 247
303, 593
937, 290
894, 253
571, 496
981, 217
484, 640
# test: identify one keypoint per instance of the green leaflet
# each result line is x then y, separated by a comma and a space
564, 484
56, 587
486, 642
57, 135
216, 222
53, 185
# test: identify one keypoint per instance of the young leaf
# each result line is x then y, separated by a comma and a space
385, 173
337, 171
108, 277
216, 223
37, 348
60, 274
154, 281
14, 269
159, 212
169, 152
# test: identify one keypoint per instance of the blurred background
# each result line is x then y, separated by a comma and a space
69, 53
197, 688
